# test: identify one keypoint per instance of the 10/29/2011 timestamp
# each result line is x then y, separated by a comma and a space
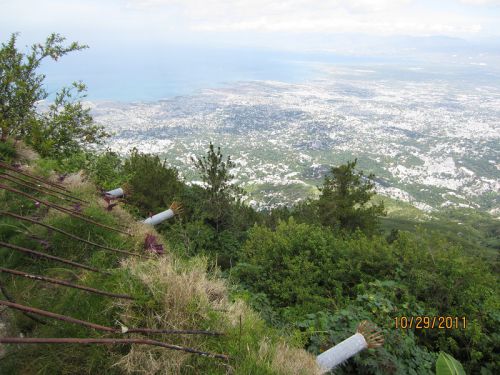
430, 322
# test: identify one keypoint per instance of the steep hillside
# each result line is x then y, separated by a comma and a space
155, 291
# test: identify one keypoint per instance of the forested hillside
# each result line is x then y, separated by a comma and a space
273, 282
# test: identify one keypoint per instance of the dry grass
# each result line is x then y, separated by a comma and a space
184, 290
138, 230
184, 294
24, 153
143, 359
286, 360
75, 182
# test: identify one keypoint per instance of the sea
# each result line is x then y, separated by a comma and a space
145, 74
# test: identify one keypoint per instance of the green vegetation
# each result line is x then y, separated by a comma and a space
447, 365
314, 281
7, 150
277, 282
169, 292
67, 125
305, 276
346, 200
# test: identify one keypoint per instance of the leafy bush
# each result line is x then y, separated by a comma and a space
299, 270
151, 183
66, 125
106, 170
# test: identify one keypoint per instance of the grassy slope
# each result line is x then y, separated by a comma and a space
170, 293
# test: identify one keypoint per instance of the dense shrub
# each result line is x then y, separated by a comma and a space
152, 184
301, 270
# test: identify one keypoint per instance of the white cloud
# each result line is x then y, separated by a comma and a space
178, 19
481, 2
382, 17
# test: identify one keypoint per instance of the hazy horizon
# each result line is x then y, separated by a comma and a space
153, 49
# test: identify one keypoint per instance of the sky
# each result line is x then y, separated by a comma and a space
150, 49
286, 24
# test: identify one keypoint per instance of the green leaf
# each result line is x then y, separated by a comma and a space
447, 365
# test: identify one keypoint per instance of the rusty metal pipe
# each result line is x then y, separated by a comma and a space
11, 299
51, 257
6, 177
29, 175
63, 283
62, 209
68, 234
99, 327
45, 188
37, 340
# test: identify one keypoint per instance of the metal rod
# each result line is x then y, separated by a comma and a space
174, 331
46, 188
9, 167
51, 257
63, 318
68, 234
62, 209
37, 340
5, 177
11, 299
64, 283
99, 327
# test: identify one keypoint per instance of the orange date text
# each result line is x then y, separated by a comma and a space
430, 322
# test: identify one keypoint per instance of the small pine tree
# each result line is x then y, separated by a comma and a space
220, 192
345, 200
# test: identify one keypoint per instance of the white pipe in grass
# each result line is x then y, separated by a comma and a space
341, 352
175, 209
116, 193
365, 337
158, 218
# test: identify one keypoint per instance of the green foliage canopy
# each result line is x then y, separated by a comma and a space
345, 200
220, 192
67, 125
307, 276
151, 183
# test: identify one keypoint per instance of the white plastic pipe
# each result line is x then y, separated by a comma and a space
158, 218
116, 193
341, 352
